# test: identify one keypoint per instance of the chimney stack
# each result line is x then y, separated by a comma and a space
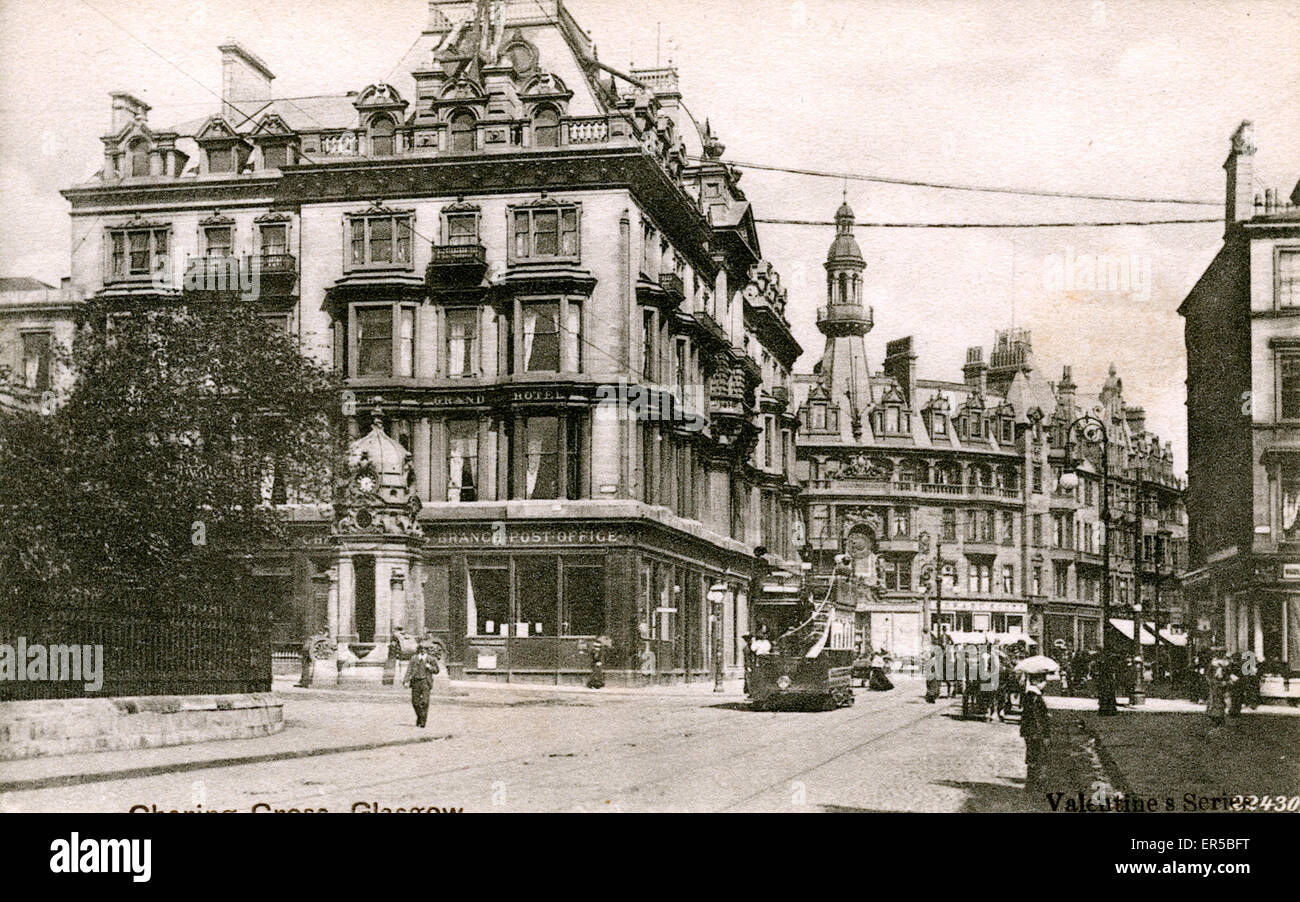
127, 109
1240, 167
900, 363
975, 371
244, 78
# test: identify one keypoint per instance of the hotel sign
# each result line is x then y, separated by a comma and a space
1291, 571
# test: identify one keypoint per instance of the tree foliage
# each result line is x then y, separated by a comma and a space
158, 478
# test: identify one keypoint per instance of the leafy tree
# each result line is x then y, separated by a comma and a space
157, 480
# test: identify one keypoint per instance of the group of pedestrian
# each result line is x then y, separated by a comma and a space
1231, 683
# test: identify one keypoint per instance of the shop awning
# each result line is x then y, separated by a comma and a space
1126, 627
1179, 639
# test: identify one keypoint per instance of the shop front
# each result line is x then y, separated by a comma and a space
524, 601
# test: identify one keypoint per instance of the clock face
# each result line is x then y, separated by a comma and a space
857, 544
366, 483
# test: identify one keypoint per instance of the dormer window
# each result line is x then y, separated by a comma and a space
221, 159
137, 155
275, 156
383, 137
546, 127
462, 132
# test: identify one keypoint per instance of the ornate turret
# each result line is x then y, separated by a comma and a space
377, 495
844, 313
843, 371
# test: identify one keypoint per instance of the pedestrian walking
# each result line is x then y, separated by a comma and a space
931, 665
597, 678
419, 676
1035, 729
1216, 686
307, 657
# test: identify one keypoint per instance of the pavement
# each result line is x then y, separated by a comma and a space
500, 748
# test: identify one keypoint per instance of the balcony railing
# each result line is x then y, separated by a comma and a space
594, 129
456, 264
905, 487
672, 283
213, 275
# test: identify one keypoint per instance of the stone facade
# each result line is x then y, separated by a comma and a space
539, 271
1242, 331
915, 476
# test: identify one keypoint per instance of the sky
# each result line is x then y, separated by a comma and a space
1095, 96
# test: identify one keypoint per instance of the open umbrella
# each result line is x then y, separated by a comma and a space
1037, 664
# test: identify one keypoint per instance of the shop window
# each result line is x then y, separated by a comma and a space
584, 599
487, 601
462, 351
380, 241
544, 233
536, 589
462, 460
37, 356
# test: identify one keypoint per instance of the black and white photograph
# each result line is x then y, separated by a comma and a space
652, 407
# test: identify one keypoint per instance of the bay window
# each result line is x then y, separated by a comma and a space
981, 578
462, 345
384, 343
550, 456
550, 336
462, 460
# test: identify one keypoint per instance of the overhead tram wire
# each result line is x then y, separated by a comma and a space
950, 186
1082, 224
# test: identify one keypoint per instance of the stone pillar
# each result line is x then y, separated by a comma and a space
347, 600
422, 459
383, 599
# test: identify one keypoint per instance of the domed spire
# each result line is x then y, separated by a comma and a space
844, 251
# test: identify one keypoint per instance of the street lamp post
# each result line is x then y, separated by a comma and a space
1093, 429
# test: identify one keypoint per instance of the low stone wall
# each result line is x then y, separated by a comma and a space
32, 729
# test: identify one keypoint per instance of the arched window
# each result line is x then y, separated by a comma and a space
137, 153
844, 289
546, 128
383, 137
462, 131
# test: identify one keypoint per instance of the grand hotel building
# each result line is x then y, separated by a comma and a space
488, 248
